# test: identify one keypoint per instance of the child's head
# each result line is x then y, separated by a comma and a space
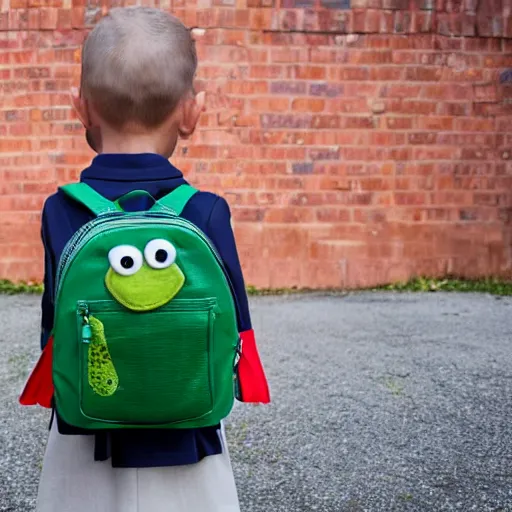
138, 67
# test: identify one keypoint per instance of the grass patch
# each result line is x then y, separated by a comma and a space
253, 290
395, 388
493, 286
10, 288
424, 284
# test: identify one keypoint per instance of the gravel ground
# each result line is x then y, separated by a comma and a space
381, 402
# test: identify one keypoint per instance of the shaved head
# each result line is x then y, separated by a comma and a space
137, 64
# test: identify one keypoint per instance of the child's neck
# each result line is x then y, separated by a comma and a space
137, 143
129, 146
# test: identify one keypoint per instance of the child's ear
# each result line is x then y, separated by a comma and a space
191, 111
80, 106
92, 134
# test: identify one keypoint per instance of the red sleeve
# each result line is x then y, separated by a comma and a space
252, 383
39, 387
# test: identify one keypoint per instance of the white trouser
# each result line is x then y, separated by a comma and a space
71, 481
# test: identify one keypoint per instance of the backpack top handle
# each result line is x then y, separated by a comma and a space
84, 194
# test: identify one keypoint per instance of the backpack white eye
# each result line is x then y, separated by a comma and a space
125, 260
160, 253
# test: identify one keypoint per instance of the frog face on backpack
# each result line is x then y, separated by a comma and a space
144, 280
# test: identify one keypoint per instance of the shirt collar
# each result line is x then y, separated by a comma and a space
130, 167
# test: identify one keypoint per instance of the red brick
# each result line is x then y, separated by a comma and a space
435, 153
436, 123
395, 4
248, 87
402, 58
370, 57
403, 22
335, 250
400, 123
475, 125
448, 92
78, 17
474, 154
270, 104
423, 74
383, 73
485, 93
265, 71
310, 72
455, 108
422, 22
410, 198
292, 55
386, 138
349, 73
373, 21
423, 138
49, 18
386, 22
359, 21
488, 25
64, 19
401, 91
325, 89
358, 123
413, 107
339, 22
308, 105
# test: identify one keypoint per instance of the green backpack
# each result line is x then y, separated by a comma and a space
145, 330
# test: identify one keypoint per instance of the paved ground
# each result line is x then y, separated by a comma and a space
382, 402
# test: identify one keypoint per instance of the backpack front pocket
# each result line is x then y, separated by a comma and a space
146, 368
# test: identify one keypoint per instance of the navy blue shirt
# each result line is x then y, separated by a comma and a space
114, 176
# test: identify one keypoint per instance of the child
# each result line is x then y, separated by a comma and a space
136, 100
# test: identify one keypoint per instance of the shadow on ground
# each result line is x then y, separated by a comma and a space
382, 402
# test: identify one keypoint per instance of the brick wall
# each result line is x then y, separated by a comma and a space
358, 142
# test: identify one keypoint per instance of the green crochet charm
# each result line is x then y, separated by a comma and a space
102, 375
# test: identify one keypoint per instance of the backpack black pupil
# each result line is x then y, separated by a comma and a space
127, 262
161, 255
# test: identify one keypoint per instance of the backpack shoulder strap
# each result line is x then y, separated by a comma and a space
92, 200
177, 199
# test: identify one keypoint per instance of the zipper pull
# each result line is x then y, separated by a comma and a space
236, 377
86, 326
86, 333
238, 353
